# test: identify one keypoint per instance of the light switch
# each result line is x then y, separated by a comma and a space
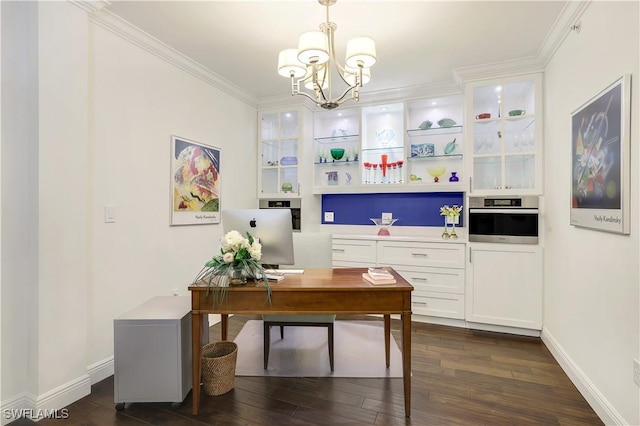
109, 214
328, 216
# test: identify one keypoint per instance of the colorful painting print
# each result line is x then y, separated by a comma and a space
195, 182
600, 160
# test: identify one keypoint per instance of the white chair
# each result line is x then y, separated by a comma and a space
312, 250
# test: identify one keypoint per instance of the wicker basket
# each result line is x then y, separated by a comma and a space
219, 367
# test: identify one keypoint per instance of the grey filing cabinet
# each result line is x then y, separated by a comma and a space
152, 351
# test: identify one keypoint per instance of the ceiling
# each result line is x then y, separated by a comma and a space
417, 42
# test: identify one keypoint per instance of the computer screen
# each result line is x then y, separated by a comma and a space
271, 226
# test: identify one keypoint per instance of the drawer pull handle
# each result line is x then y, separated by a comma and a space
340, 250
420, 303
419, 254
420, 279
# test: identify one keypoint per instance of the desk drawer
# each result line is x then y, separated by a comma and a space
443, 305
442, 280
421, 254
354, 251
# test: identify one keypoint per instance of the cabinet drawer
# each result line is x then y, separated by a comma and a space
444, 305
442, 280
421, 254
354, 251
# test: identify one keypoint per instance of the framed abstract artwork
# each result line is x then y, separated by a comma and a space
600, 144
195, 182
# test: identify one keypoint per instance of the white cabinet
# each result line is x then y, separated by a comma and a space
152, 352
436, 270
504, 127
279, 136
435, 143
353, 252
504, 285
390, 147
336, 160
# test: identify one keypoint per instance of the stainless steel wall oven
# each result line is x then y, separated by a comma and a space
512, 220
293, 205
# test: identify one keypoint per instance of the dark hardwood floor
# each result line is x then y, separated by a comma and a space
460, 377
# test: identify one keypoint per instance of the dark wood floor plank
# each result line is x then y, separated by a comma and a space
460, 377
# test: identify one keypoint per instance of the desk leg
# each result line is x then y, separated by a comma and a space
387, 339
406, 361
196, 353
224, 326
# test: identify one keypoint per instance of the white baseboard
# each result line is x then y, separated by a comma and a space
596, 400
100, 370
47, 405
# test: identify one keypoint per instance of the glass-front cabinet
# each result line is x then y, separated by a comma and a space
336, 158
383, 152
505, 152
409, 146
278, 156
435, 143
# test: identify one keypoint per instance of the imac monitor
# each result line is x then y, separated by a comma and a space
271, 226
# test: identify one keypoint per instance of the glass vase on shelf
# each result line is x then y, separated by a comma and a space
452, 234
445, 233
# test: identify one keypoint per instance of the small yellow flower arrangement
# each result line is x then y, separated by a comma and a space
450, 214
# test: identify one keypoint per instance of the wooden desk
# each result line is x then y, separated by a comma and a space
317, 291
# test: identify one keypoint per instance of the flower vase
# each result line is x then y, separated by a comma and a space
236, 276
445, 233
453, 234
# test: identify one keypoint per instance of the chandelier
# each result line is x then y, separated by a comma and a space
309, 66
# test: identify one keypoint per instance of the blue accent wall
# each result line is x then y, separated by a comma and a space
411, 208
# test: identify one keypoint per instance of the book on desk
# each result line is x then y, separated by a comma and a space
379, 276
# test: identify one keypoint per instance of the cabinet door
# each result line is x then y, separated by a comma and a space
505, 149
504, 285
278, 148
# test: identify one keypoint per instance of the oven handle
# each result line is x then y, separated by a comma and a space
504, 211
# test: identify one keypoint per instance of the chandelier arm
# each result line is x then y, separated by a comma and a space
295, 90
355, 95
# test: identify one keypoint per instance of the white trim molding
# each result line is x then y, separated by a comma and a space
124, 29
589, 391
48, 405
101, 370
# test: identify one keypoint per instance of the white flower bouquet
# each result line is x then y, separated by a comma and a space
238, 260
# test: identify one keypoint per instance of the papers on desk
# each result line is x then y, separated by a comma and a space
274, 277
291, 271
284, 271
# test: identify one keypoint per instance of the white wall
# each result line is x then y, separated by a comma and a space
90, 121
19, 165
137, 102
592, 281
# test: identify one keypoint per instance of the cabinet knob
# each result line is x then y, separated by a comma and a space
419, 255
420, 279
338, 250
420, 303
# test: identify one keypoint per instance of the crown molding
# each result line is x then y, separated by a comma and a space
122, 28
90, 6
498, 70
569, 15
